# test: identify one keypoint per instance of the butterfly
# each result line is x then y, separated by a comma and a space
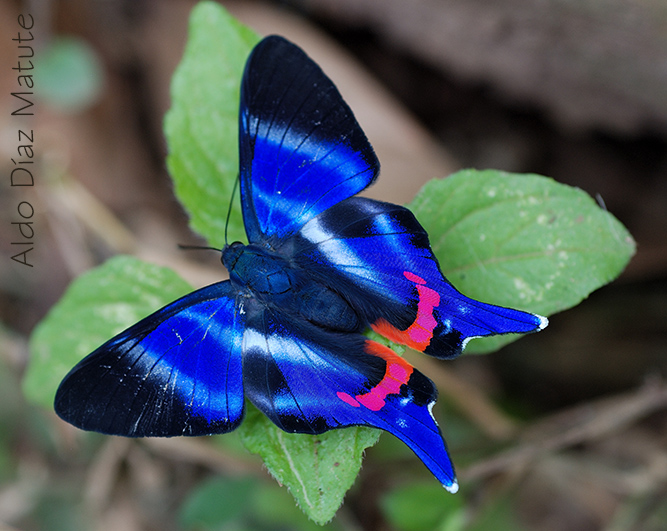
286, 330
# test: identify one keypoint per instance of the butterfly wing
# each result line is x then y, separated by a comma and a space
301, 149
379, 256
176, 372
308, 380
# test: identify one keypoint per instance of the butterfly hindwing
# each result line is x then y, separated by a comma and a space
380, 257
301, 149
308, 380
176, 372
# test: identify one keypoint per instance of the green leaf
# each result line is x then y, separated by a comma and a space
202, 124
317, 469
275, 509
218, 501
96, 306
523, 241
423, 507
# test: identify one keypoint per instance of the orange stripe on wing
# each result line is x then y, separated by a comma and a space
419, 334
397, 373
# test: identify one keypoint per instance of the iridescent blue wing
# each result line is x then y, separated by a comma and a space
309, 380
301, 149
176, 372
379, 256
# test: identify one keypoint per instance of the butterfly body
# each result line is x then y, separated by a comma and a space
260, 272
267, 280
286, 330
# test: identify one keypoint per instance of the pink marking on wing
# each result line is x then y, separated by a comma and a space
413, 278
419, 334
347, 399
397, 373
373, 401
421, 331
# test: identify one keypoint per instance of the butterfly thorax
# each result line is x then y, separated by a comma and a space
273, 281
258, 270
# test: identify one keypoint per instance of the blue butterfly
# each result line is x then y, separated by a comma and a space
286, 329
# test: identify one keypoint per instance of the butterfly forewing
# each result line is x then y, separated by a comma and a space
301, 149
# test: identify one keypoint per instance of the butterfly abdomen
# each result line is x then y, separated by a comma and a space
324, 307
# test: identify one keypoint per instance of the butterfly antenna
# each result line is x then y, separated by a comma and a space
197, 247
229, 209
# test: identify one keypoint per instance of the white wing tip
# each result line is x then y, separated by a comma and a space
453, 488
544, 322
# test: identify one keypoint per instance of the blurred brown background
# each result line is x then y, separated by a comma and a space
573, 90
